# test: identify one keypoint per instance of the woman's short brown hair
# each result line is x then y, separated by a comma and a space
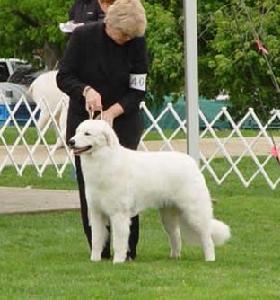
128, 16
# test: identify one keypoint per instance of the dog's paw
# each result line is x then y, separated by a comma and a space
210, 259
119, 259
95, 257
174, 255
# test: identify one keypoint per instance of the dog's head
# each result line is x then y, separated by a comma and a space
92, 135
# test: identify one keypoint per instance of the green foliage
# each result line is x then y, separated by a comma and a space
25, 26
165, 45
228, 57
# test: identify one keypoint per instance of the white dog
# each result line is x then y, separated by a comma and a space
120, 183
50, 98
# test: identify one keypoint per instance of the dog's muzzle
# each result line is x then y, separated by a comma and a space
77, 150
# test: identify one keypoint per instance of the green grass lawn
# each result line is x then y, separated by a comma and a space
154, 135
49, 180
45, 256
10, 135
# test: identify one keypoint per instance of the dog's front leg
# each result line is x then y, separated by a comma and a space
99, 235
120, 227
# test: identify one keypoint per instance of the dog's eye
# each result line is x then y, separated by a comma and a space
87, 133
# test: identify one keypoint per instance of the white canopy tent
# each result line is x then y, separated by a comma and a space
191, 77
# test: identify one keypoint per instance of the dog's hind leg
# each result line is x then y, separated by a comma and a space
208, 246
199, 232
99, 234
43, 119
62, 127
170, 221
120, 231
59, 142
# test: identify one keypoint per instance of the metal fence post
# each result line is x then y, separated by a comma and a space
191, 77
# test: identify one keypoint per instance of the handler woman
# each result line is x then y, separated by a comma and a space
104, 68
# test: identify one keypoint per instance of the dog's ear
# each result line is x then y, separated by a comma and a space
110, 136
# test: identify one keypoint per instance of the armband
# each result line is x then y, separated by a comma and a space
137, 81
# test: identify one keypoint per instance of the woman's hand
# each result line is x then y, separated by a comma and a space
111, 113
93, 100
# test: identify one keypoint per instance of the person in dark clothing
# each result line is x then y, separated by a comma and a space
104, 67
85, 11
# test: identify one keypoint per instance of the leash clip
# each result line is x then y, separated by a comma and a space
91, 113
98, 117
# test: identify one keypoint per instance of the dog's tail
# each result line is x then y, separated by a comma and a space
220, 233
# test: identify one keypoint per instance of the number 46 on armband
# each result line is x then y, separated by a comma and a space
137, 81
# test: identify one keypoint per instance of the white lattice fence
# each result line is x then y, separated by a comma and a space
39, 153
233, 149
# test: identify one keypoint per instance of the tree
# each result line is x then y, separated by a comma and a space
229, 56
32, 25
227, 32
27, 27
165, 46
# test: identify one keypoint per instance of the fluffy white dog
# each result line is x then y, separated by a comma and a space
50, 98
120, 183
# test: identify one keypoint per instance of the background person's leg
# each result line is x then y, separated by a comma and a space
133, 237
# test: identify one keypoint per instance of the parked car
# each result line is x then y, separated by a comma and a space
8, 66
16, 75
18, 71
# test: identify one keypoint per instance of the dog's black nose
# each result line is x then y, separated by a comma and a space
71, 142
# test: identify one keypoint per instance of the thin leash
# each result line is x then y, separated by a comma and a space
91, 115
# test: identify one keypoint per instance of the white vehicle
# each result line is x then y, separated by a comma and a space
8, 67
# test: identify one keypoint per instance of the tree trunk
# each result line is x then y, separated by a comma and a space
50, 55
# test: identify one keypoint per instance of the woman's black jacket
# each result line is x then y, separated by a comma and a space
93, 58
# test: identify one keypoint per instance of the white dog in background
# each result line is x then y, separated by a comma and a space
120, 183
50, 98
